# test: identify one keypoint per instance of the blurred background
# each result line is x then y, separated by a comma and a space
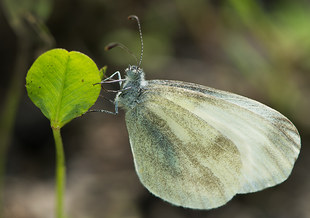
259, 49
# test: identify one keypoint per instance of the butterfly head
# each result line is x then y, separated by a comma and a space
128, 96
134, 77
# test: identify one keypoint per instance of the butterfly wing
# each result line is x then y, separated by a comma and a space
268, 142
197, 147
175, 158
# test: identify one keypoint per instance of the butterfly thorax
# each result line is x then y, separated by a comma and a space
128, 96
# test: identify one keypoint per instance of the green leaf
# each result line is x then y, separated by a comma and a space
60, 83
103, 72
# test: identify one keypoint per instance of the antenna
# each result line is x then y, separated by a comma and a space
134, 17
117, 44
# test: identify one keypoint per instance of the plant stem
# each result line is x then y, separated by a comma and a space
60, 174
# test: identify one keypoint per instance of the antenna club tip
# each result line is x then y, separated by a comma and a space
110, 46
133, 17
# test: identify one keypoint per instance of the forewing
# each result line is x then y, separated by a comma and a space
178, 156
268, 142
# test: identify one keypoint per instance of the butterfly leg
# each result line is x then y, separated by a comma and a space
106, 111
110, 80
120, 80
110, 77
102, 111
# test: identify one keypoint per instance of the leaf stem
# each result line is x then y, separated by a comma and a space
60, 174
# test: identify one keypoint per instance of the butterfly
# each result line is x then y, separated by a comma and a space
197, 147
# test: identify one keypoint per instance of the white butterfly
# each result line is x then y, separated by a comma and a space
197, 147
